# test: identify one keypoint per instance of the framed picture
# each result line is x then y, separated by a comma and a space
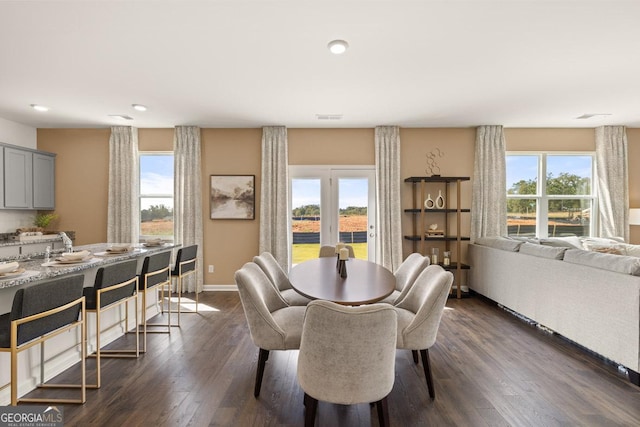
233, 196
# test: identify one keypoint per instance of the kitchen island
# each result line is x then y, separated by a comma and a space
60, 351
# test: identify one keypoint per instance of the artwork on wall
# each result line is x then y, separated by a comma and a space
233, 196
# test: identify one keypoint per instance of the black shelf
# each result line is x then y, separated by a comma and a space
437, 178
454, 266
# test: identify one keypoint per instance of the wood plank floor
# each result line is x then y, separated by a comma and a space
490, 369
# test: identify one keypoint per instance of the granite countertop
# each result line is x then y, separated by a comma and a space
35, 271
45, 239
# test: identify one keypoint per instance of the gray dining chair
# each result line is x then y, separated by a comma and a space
406, 275
419, 315
327, 251
273, 324
279, 279
347, 356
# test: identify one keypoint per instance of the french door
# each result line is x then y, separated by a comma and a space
332, 204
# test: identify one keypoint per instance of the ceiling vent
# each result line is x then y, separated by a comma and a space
329, 116
121, 116
592, 115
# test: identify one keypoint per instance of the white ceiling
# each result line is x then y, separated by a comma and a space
217, 63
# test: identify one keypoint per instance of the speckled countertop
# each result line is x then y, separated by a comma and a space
45, 239
35, 271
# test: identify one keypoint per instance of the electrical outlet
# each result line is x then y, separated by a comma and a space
210, 268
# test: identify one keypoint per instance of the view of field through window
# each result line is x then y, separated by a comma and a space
566, 194
156, 195
306, 217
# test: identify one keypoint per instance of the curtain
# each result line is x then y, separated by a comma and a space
123, 213
489, 204
613, 184
274, 195
389, 213
187, 197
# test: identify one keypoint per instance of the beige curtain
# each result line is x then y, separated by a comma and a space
489, 204
123, 213
613, 183
274, 195
389, 210
188, 197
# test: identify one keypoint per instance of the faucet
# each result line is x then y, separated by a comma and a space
68, 244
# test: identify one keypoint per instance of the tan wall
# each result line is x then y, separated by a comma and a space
82, 173
82, 176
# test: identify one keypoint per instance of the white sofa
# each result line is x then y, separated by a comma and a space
588, 297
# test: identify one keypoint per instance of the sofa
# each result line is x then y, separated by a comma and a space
583, 289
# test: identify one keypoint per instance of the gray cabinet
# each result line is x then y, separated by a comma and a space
18, 178
44, 181
27, 178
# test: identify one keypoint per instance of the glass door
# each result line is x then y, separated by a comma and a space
330, 205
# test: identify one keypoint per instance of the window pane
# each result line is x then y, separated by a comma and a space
521, 217
156, 174
305, 219
156, 216
522, 174
353, 201
569, 217
569, 175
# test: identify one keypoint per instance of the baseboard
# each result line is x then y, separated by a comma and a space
218, 288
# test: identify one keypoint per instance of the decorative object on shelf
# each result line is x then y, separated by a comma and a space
429, 203
446, 260
432, 166
439, 200
433, 231
434, 255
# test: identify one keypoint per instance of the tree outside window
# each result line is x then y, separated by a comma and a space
156, 195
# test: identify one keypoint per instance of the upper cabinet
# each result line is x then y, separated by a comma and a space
27, 178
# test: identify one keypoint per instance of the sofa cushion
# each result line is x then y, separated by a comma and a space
563, 242
543, 251
618, 263
504, 243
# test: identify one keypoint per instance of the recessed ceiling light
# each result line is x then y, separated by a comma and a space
338, 47
121, 116
139, 107
39, 107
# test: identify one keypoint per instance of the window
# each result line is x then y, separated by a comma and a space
156, 195
550, 195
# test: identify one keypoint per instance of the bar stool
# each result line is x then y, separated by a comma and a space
38, 313
185, 266
114, 285
155, 274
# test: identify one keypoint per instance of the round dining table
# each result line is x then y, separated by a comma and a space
366, 282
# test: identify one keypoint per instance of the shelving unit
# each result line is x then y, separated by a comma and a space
447, 214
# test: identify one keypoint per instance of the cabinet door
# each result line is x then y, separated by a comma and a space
18, 178
43, 181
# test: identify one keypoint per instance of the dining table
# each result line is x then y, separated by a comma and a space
365, 283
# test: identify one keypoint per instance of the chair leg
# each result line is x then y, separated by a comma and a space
427, 372
262, 360
383, 412
311, 407
414, 353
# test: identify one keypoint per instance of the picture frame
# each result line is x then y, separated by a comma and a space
232, 196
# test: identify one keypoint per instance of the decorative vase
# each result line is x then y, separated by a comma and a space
429, 203
439, 200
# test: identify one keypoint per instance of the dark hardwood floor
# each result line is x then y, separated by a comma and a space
490, 369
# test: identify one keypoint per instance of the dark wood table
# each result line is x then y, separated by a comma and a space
366, 282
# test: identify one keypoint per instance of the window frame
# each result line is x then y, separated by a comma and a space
142, 196
541, 196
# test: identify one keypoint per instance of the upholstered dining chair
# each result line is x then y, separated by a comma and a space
114, 285
40, 312
327, 251
186, 265
154, 276
419, 315
279, 279
273, 324
347, 356
406, 275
